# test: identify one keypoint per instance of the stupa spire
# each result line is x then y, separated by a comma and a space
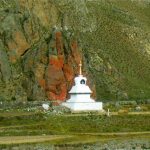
80, 68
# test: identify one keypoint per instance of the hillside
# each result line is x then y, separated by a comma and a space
42, 42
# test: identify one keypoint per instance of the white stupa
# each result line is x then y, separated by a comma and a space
80, 99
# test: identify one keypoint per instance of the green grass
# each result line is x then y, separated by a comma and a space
119, 39
27, 129
38, 124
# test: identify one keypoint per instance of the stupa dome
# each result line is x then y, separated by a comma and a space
80, 86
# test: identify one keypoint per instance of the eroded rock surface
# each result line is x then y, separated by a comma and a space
42, 42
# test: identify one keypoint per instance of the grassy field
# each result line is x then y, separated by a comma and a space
45, 130
32, 123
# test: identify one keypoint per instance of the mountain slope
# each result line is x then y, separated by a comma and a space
42, 42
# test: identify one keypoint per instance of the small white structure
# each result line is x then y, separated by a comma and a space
80, 96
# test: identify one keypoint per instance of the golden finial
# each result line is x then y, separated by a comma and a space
80, 68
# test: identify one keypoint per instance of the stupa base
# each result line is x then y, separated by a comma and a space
83, 106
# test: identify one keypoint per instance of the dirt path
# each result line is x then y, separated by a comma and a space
118, 133
45, 138
111, 114
31, 139
10, 114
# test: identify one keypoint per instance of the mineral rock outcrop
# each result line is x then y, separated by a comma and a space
42, 42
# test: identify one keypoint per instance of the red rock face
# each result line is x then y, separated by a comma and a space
59, 44
56, 87
60, 71
68, 72
18, 46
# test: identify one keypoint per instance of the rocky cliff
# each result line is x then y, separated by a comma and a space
42, 42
